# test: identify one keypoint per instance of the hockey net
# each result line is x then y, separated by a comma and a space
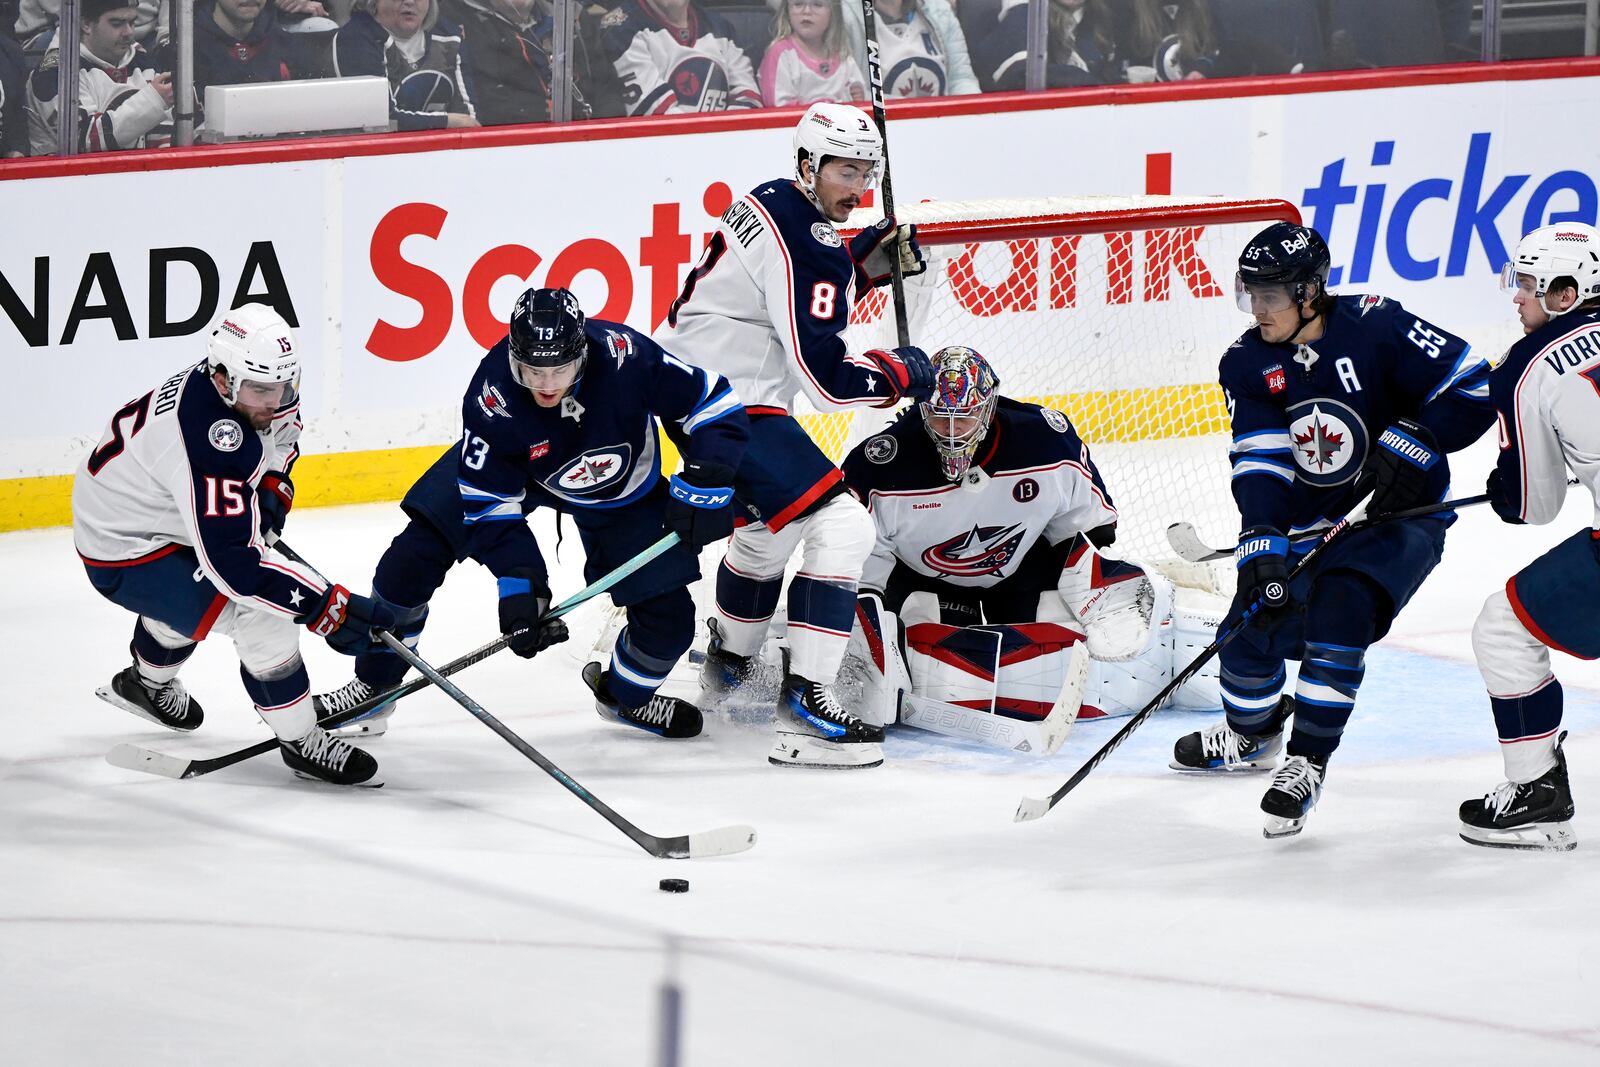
1112, 310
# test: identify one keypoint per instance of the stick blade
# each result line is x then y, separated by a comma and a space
134, 758
1185, 541
1031, 808
723, 841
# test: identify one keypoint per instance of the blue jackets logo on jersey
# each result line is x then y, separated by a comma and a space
826, 234
226, 435
984, 550
1328, 439
594, 470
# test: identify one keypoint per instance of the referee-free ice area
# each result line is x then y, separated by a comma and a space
472, 911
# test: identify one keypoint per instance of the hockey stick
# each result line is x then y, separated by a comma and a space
1034, 807
875, 77
719, 842
137, 758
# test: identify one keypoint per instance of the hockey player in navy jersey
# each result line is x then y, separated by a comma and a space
171, 514
562, 414
1330, 397
766, 308
989, 515
1548, 400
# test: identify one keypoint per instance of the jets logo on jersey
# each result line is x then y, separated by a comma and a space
701, 83
594, 470
881, 449
492, 402
825, 234
1329, 441
914, 76
226, 435
982, 550
621, 346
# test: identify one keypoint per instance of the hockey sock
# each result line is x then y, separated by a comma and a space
821, 613
746, 604
1344, 611
659, 631
409, 573
635, 675
158, 663
283, 703
1251, 699
1527, 725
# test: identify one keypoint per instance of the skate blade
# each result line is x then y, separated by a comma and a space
110, 696
374, 782
803, 750
1277, 827
1535, 837
1248, 767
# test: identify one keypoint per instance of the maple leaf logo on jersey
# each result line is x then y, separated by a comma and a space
982, 550
593, 471
492, 402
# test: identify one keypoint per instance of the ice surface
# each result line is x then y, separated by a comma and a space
473, 911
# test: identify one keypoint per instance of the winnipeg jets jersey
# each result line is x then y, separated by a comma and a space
768, 303
1032, 478
1547, 394
912, 57
789, 76
178, 466
1305, 416
666, 70
596, 449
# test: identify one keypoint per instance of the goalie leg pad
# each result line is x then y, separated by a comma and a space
875, 664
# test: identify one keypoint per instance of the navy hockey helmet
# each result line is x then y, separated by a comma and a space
1279, 265
546, 331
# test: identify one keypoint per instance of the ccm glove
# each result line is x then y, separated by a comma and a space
908, 370
347, 620
524, 601
1263, 561
274, 498
1405, 468
875, 248
700, 510
1503, 505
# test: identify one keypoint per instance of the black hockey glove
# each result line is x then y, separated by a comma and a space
873, 248
1404, 468
1263, 561
524, 600
346, 620
1102, 536
274, 498
908, 370
1502, 504
700, 510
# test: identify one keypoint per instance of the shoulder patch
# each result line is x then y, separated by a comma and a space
620, 344
1368, 303
1058, 422
881, 449
826, 234
226, 435
492, 402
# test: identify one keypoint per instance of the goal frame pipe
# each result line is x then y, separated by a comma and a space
1084, 223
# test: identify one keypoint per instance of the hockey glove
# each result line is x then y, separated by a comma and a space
909, 372
1405, 469
873, 249
1263, 561
1502, 504
346, 620
700, 510
274, 498
1102, 536
524, 600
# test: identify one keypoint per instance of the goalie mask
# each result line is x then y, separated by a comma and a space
1567, 250
958, 414
547, 345
835, 131
254, 350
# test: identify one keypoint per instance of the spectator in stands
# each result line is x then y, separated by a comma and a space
13, 112
237, 42
390, 39
1079, 48
38, 17
674, 56
807, 61
121, 97
921, 48
505, 54
1166, 40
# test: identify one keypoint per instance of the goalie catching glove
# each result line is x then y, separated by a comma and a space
1118, 604
873, 250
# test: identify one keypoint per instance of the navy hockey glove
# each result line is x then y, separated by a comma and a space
274, 498
346, 620
873, 248
908, 371
1263, 561
1405, 468
701, 508
524, 600
1502, 504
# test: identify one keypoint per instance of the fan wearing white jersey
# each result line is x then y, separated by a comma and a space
171, 515
988, 512
766, 308
1547, 395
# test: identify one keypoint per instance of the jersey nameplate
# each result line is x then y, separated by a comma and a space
743, 221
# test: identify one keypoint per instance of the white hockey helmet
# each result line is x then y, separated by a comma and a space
253, 343
835, 130
1565, 250
958, 414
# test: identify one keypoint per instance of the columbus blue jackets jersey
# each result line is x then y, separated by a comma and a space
597, 449
178, 466
1305, 417
1547, 395
1032, 478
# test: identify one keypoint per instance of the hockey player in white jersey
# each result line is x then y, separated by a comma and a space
1547, 394
986, 588
766, 308
171, 515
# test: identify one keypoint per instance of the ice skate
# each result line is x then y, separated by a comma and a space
723, 672
169, 705
1292, 795
1218, 748
815, 731
319, 756
1534, 815
661, 715
375, 723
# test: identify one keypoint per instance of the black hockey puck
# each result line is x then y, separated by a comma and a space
674, 885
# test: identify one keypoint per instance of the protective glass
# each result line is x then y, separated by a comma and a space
1256, 299
557, 379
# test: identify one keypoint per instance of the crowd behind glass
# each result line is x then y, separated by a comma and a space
466, 63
